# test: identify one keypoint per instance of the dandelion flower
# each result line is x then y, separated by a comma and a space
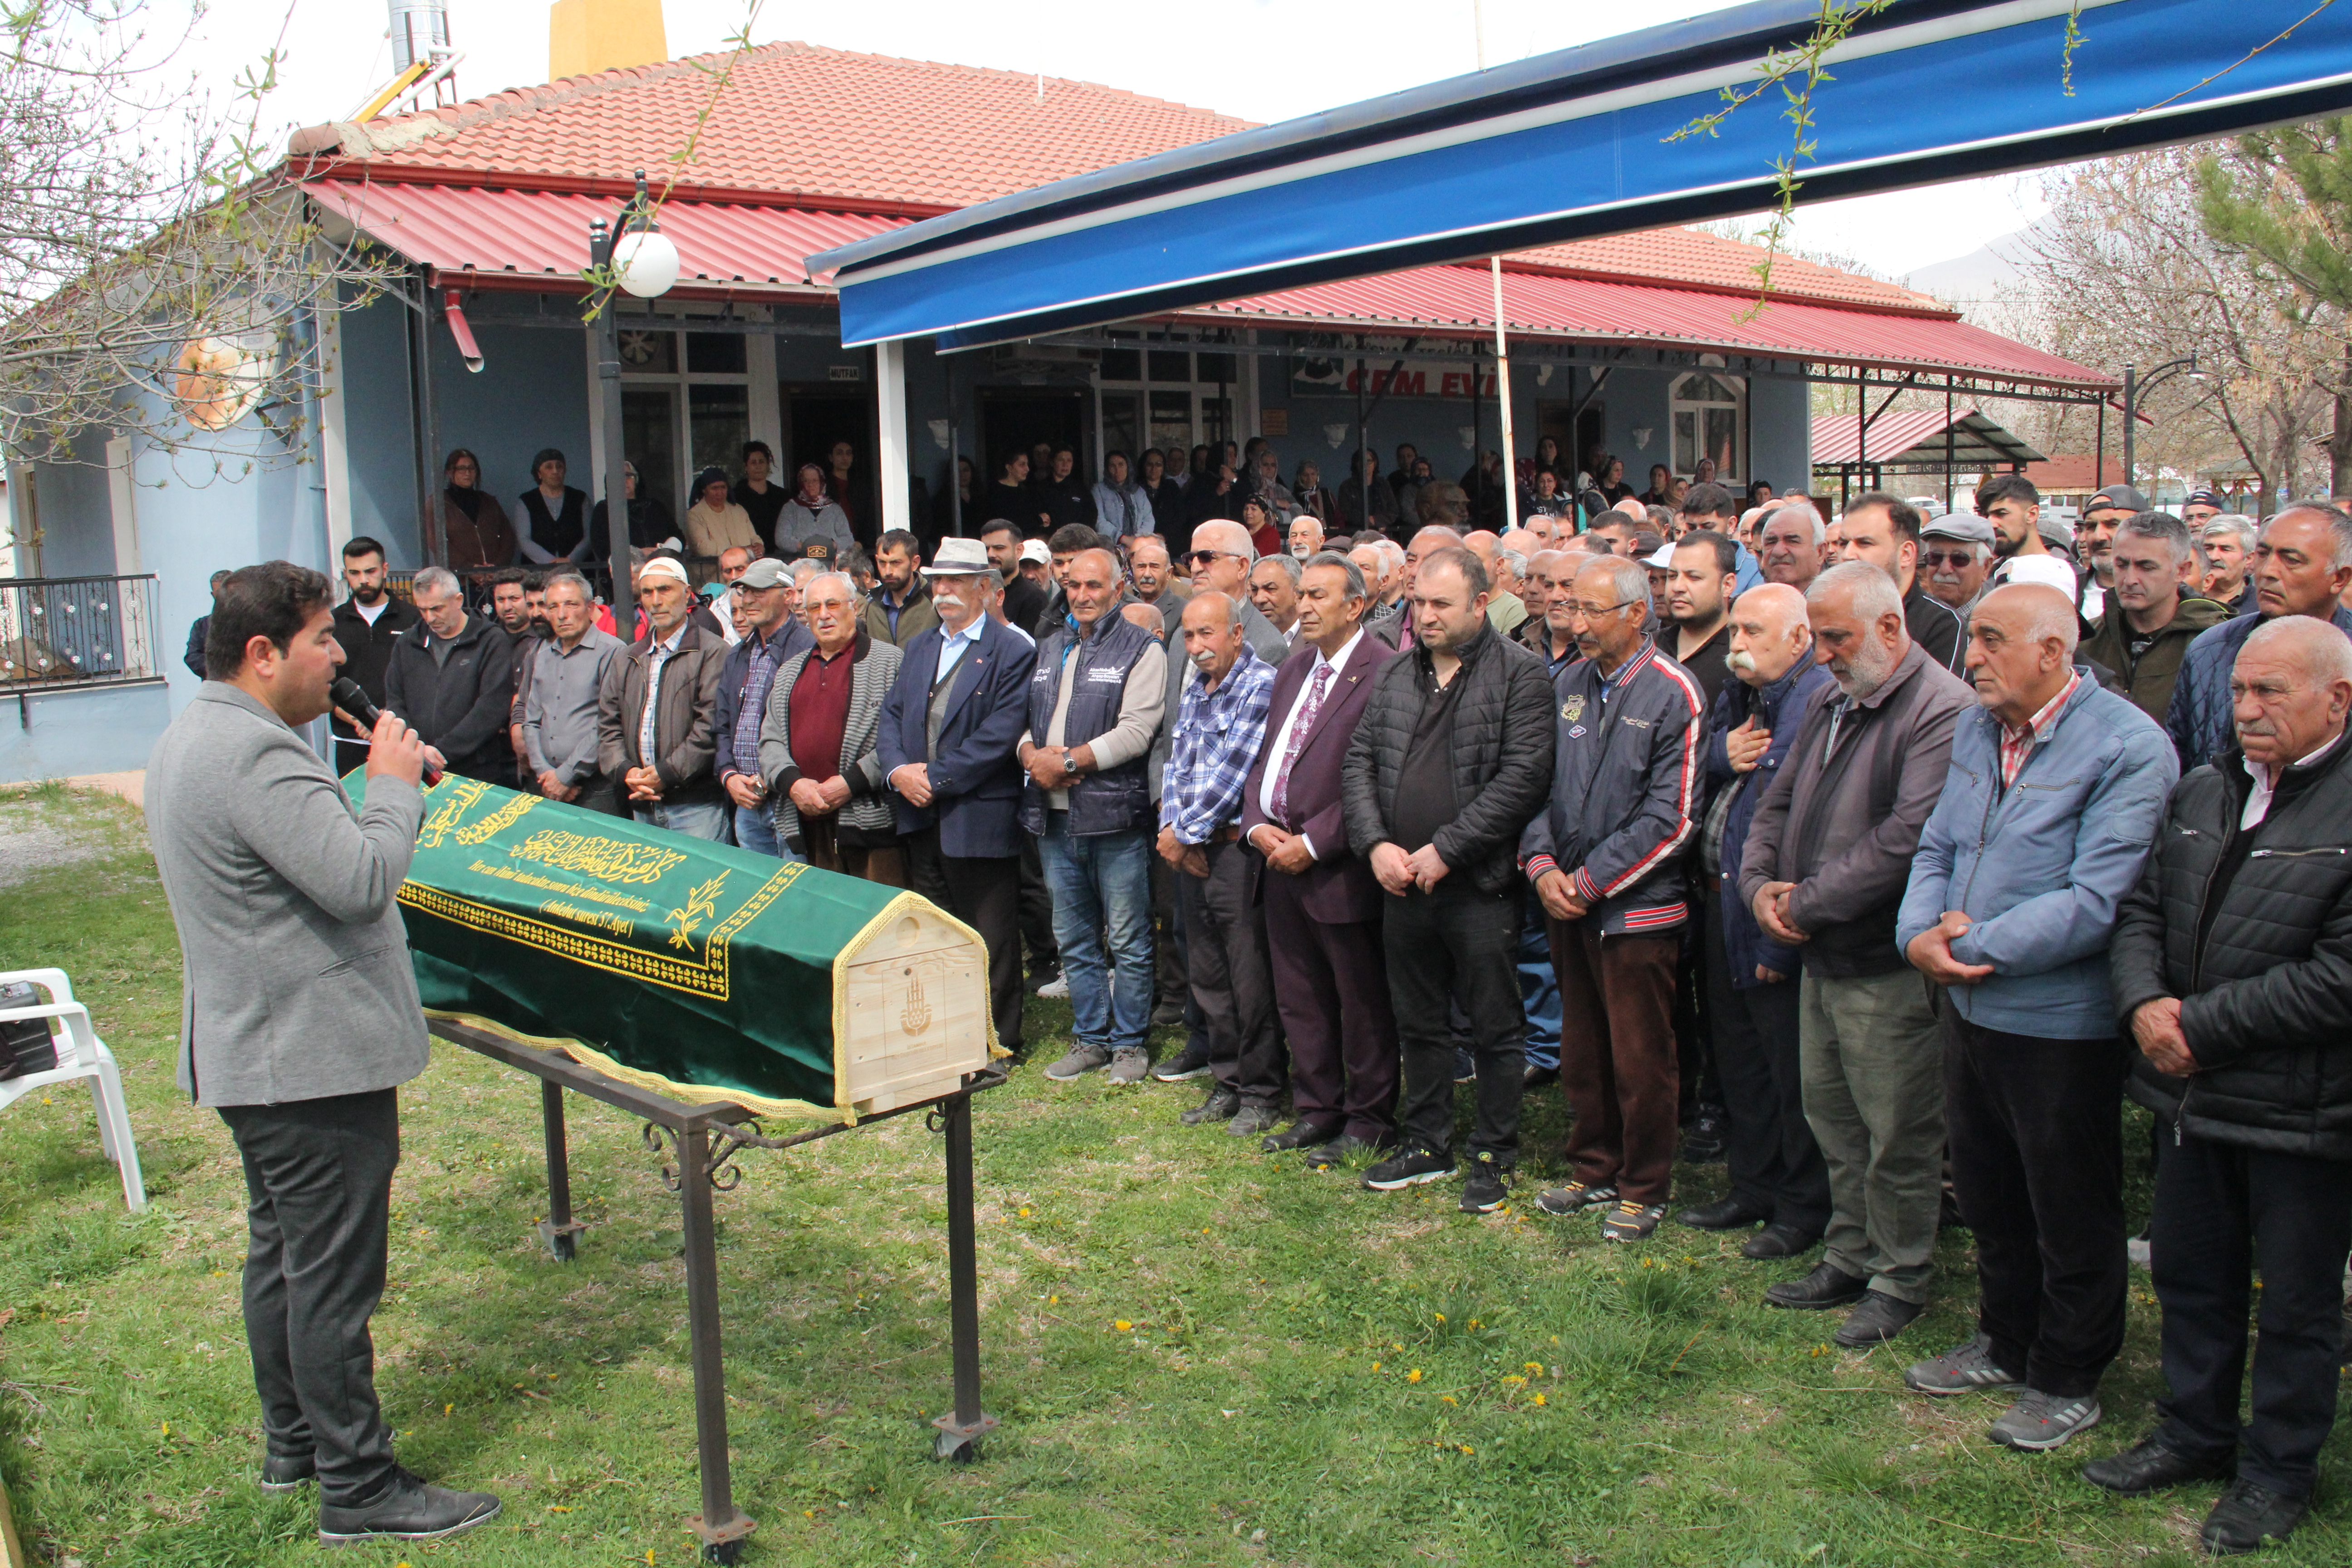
1413, 1377
1121, 1324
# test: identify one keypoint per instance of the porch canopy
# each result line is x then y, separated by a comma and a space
1580, 144
1919, 441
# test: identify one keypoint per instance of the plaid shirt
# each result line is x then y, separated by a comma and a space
1216, 739
2016, 743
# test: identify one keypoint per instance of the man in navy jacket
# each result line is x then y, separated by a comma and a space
949, 729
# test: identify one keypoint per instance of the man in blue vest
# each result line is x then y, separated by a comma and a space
1094, 707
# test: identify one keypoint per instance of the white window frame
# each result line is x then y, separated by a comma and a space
1676, 404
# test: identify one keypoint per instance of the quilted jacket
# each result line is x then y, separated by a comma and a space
2197, 718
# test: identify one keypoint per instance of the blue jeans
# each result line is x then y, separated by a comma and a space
696, 819
756, 830
1539, 986
1101, 885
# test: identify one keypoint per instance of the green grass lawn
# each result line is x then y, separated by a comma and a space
1200, 1353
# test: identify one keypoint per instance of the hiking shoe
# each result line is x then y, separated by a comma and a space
2247, 1516
1254, 1121
1878, 1320
1408, 1169
2152, 1465
1485, 1190
287, 1472
1963, 1369
408, 1510
1128, 1065
1222, 1104
1575, 1197
1193, 1061
1082, 1061
1630, 1221
2038, 1420
1056, 989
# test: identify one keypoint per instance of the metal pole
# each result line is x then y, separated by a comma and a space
2099, 461
621, 596
1477, 434
1364, 444
557, 1230
2131, 398
722, 1528
1948, 448
961, 1431
955, 459
1503, 397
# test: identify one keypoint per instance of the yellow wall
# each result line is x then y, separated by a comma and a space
584, 35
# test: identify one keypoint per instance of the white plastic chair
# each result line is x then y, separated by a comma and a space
80, 1055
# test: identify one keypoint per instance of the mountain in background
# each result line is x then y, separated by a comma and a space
1975, 279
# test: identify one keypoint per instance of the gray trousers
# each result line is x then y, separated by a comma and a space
1230, 976
318, 1180
1871, 1053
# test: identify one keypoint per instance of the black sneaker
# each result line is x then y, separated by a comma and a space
1629, 1221
2247, 1516
407, 1510
2151, 1465
1193, 1061
1409, 1169
1485, 1190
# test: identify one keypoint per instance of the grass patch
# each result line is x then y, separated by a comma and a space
1201, 1354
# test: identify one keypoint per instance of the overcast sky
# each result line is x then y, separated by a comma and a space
1260, 59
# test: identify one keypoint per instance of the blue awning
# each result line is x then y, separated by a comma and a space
1575, 144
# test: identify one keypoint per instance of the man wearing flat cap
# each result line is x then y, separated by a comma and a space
768, 596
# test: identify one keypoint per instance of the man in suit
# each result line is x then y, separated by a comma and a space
1322, 904
951, 727
299, 1022
655, 712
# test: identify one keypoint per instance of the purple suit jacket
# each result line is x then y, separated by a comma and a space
1339, 886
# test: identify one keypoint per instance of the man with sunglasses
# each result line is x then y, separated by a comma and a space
1955, 556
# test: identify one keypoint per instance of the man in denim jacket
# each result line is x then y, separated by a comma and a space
2056, 793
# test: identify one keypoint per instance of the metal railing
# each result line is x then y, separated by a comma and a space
60, 631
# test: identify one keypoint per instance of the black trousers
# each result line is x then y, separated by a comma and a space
318, 1183
1230, 977
2221, 1209
984, 892
2034, 1128
1036, 907
1457, 942
1776, 1166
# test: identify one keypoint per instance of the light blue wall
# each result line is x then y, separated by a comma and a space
77, 731
378, 428
531, 393
76, 512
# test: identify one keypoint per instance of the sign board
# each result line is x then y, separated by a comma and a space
1456, 379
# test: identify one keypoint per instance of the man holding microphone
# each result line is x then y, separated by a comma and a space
300, 1020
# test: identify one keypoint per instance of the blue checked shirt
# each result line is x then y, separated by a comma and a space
1217, 737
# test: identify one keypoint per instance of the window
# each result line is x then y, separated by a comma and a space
1164, 393
1706, 408
685, 405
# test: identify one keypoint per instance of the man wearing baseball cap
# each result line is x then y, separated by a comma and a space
2102, 514
2200, 508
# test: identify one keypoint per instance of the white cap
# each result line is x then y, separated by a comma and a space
1663, 559
1035, 550
663, 566
2046, 570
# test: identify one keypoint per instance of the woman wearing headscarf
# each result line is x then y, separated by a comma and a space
714, 523
476, 533
649, 520
551, 519
759, 493
1308, 489
812, 515
1120, 506
1265, 522
1353, 515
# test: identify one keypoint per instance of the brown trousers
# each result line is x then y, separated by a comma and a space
1617, 1056
886, 864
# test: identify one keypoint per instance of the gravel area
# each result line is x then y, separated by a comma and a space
36, 839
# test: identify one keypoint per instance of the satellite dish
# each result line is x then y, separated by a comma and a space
217, 380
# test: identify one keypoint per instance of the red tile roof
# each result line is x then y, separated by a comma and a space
1698, 259
795, 119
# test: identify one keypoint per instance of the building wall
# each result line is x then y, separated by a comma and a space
71, 731
532, 393
380, 428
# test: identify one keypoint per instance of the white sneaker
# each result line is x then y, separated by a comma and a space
1058, 988
2141, 1251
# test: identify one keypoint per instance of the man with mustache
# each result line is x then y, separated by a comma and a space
2301, 568
1954, 555
1823, 872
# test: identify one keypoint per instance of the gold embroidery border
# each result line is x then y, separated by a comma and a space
709, 977
589, 1057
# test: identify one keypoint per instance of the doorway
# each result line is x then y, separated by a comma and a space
1578, 430
813, 422
1013, 421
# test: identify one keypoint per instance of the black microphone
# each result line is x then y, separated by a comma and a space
356, 702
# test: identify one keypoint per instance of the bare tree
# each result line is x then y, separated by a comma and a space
2124, 272
159, 268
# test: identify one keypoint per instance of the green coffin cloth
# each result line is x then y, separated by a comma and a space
693, 968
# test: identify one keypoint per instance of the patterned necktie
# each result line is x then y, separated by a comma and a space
1298, 731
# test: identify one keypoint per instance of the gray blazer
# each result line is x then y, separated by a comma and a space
873, 667
295, 978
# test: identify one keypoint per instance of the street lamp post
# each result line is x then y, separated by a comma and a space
2135, 388
642, 261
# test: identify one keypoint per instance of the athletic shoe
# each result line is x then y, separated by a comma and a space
2151, 1466
2038, 1420
1193, 1061
2249, 1515
1057, 989
1082, 1061
1128, 1064
1963, 1369
1630, 1221
1575, 1197
1485, 1190
1408, 1169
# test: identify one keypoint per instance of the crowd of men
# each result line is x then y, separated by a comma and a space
1882, 859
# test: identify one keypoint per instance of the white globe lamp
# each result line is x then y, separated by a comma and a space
645, 263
